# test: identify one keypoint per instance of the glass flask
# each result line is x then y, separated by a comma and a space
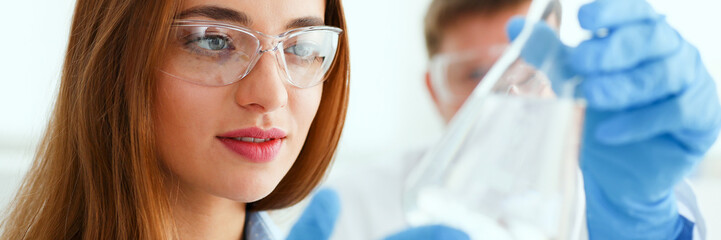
507, 165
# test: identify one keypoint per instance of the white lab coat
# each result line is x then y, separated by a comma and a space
371, 198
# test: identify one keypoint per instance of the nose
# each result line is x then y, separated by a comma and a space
263, 89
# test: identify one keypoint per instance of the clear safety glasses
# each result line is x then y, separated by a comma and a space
217, 54
454, 76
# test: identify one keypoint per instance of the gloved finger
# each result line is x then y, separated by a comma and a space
318, 219
647, 83
695, 111
544, 50
602, 14
706, 123
626, 48
514, 27
433, 232
544, 41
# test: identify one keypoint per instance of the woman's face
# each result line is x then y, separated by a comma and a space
237, 141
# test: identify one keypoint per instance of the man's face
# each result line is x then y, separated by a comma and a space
468, 33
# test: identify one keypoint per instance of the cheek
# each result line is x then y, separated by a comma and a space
450, 107
181, 114
304, 105
184, 117
307, 103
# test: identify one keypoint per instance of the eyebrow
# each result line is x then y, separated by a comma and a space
217, 13
226, 14
305, 22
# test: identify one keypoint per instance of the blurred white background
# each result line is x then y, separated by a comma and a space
389, 109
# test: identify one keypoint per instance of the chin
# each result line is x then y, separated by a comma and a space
250, 190
254, 196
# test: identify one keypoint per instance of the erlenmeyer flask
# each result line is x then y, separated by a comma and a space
507, 167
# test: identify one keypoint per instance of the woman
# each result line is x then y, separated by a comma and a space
177, 119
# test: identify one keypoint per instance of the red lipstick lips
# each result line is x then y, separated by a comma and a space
255, 144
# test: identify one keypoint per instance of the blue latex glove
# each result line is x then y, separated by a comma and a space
652, 114
319, 218
433, 232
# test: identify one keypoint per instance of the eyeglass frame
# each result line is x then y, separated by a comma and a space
275, 40
438, 67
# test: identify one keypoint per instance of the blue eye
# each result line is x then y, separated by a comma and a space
303, 50
214, 43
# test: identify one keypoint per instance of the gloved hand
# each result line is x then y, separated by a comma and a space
318, 220
652, 114
433, 232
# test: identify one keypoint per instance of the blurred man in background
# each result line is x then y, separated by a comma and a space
652, 115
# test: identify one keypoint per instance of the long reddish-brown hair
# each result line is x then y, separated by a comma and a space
96, 174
